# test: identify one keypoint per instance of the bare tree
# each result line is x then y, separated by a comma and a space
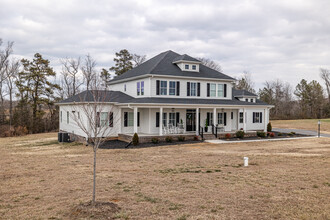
138, 59
89, 71
4, 57
96, 119
11, 71
325, 75
71, 80
210, 63
245, 82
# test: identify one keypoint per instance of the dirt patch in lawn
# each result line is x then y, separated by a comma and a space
40, 179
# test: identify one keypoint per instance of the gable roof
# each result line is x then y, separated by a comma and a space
162, 65
185, 57
241, 93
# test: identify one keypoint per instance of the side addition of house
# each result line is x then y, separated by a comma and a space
171, 94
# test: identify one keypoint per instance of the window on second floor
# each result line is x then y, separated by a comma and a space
140, 88
125, 88
67, 117
186, 66
194, 67
213, 89
193, 88
220, 90
172, 88
246, 100
163, 87
251, 100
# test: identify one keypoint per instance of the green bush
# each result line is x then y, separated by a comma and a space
155, 140
169, 139
181, 138
261, 134
196, 138
269, 127
279, 134
135, 139
240, 134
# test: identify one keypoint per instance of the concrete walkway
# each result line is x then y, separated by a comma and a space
300, 131
219, 141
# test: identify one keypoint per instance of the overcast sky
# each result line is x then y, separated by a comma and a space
281, 39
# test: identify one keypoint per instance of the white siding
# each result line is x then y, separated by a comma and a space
131, 87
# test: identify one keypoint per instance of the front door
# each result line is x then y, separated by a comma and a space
191, 120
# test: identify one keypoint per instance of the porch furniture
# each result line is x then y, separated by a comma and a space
165, 129
171, 129
221, 127
180, 128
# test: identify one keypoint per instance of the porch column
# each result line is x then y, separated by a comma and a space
135, 120
161, 121
119, 121
197, 120
244, 120
214, 116
265, 119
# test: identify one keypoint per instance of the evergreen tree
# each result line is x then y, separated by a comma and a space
105, 76
35, 88
123, 62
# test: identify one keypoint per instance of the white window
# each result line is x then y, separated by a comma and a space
241, 117
172, 88
194, 67
125, 87
163, 87
220, 118
220, 90
246, 100
104, 119
142, 88
130, 119
186, 67
213, 89
61, 117
256, 117
138, 88
251, 100
193, 88
171, 119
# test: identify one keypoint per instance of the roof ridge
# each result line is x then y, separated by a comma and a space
165, 53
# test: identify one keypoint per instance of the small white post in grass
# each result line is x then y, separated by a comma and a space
319, 128
246, 161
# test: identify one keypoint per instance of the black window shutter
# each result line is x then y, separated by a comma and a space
125, 119
157, 119
208, 118
177, 118
178, 88
188, 88
138, 119
260, 117
225, 118
157, 87
254, 117
110, 119
232, 115
225, 90
208, 90
198, 89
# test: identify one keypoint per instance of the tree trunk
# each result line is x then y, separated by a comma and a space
10, 108
94, 177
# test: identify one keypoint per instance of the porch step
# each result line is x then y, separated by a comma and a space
209, 137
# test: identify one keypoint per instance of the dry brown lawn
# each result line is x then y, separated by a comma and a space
308, 124
40, 179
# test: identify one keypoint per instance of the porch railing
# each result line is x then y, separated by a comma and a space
201, 132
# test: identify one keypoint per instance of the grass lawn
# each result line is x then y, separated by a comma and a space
308, 124
41, 179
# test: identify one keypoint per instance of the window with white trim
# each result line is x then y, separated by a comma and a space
61, 117
164, 118
193, 89
130, 119
213, 89
163, 87
172, 88
220, 90
67, 117
186, 67
194, 67
220, 118
142, 87
103, 119
171, 119
241, 117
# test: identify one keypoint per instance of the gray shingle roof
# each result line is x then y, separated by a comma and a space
100, 95
240, 93
186, 58
120, 97
163, 65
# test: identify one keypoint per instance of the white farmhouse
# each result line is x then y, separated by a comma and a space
169, 94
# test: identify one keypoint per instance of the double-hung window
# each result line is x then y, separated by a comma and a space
194, 67
172, 88
163, 87
220, 118
241, 117
186, 66
193, 89
67, 118
61, 116
104, 119
257, 117
130, 119
171, 119
213, 89
220, 90
140, 88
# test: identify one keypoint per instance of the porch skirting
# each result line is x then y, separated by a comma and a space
146, 138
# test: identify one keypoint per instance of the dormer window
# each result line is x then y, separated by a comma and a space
194, 67
186, 66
